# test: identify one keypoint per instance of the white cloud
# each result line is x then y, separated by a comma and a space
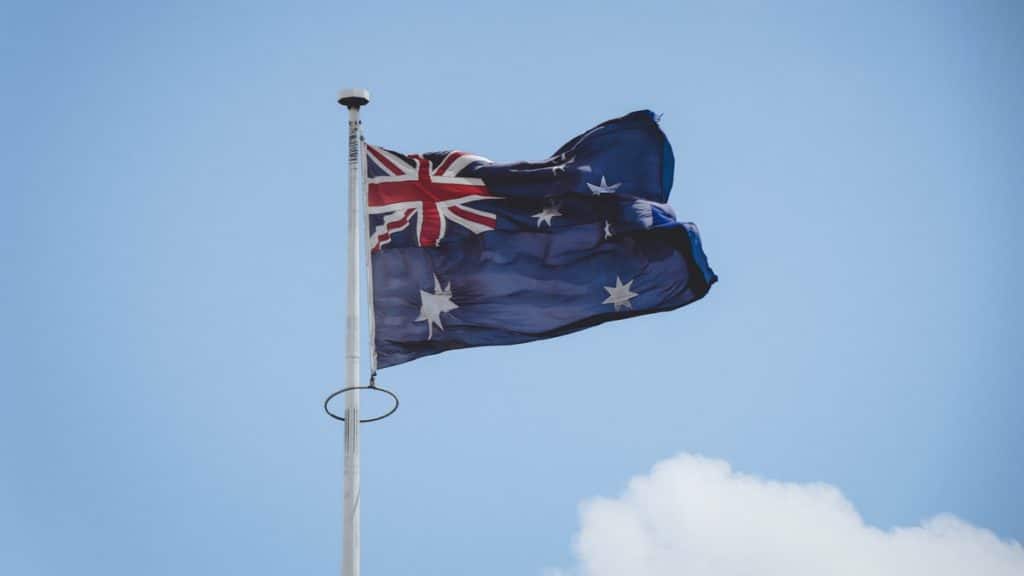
692, 516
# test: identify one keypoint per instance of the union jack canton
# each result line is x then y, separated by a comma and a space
427, 188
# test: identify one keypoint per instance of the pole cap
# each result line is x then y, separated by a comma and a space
354, 97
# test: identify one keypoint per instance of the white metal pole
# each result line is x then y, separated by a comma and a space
353, 100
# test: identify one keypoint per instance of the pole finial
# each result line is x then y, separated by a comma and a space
354, 97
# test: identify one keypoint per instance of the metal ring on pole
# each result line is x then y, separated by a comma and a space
372, 386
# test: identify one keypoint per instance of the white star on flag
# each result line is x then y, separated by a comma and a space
561, 167
604, 187
432, 305
549, 212
620, 294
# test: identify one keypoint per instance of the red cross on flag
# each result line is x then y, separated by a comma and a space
432, 196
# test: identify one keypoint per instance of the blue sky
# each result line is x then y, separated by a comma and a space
172, 228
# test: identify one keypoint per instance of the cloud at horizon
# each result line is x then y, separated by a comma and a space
693, 515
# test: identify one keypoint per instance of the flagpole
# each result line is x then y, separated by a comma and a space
352, 99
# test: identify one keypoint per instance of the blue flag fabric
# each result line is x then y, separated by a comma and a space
467, 252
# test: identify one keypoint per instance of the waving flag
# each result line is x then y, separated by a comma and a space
467, 252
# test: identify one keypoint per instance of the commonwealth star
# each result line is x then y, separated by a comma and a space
432, 305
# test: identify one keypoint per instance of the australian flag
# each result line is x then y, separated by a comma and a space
468, 252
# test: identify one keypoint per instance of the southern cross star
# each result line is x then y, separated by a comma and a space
561, 167
608, 230
604, 187
549, 212
432, 305
620, 294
